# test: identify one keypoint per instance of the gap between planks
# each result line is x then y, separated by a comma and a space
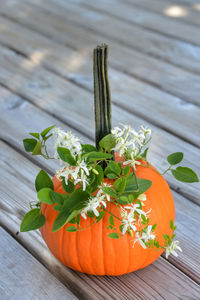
172, 107
130, 90
82, 121
182, 11
17, 278
129, 14
139, 34
168, 84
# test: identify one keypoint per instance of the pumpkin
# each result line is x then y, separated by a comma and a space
92, 251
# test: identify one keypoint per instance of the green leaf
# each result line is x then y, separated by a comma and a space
166, 237
58, 207
131, 185
98, 178
32, 220
44, 196
123, 200
43, 180
175, 158
101, 215
66, 156
185, 174
111, 221
45, 131
90, 214
114, 168
171, 225
87, 148
120, 184
108, 142
153, 227
75, 202
71, 229
38, 149
109, 227
114, 235
35, 134
144, 154
95, 155
110, 191
69, 187
29, 144
126, 170
111, 175
56, 197
45, 138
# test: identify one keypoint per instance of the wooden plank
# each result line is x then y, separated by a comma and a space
173, 9
161, 74
46, 90
23, 277
137, 97
26, 115
146, 19
147, 283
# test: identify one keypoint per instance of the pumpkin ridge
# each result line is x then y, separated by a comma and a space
62, 246
129, 251
77, 251
103, 255
90, 249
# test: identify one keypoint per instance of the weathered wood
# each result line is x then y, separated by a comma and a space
131, 286
147, 19
23, 277
53, 24
179, 10
45, 89
135, 96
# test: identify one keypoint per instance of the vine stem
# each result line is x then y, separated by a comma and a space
112, 214
135, 179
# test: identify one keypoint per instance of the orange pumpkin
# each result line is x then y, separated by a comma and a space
92, 251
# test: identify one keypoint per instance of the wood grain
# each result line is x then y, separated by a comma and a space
46, 90
157, 72
23, 277
147, 19
179, 10
164, 110
149, 283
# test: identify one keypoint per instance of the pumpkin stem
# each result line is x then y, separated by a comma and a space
102, 99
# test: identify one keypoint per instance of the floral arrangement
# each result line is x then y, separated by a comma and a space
107, 208
82, 173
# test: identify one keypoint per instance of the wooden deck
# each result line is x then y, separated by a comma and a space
46, 78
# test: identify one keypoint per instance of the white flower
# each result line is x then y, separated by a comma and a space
78, 173
135, 208
145, 130
129, 141
148, 235
145, 237
67, 140
172, 247
96, 202
139, 239
128, 221
92, 205
142, 197
132, 162
83, 179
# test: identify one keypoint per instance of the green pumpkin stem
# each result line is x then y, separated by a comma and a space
102, 99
